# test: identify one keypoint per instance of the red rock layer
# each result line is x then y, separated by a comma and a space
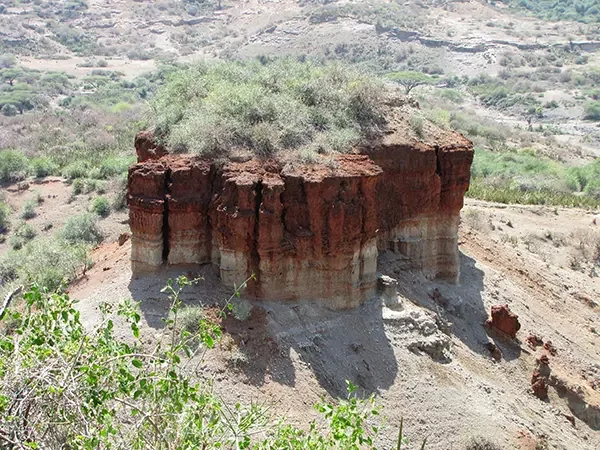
309, 231
420, 195
306, 232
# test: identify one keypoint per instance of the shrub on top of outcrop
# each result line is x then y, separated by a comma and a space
284, 105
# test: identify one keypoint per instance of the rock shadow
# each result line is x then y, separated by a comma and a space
459, 304
253, 352
155, 305
337, 346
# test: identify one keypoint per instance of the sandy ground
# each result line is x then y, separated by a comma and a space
425, 358
57, 206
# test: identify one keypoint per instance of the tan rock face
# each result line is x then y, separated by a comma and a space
304, 231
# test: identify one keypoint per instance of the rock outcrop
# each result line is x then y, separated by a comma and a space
306, 231
504, 320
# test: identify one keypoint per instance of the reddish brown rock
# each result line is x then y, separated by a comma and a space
146, 194
147, 148
420, 195
494, 351
305, 231
539, 385
543, 360
550, 347
123, 237
534, 340
504, 320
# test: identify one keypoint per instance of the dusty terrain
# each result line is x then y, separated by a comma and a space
425, 358
57, 205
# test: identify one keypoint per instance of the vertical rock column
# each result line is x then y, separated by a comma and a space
189, 194
420, 196
146, 198
325, 222
233, 215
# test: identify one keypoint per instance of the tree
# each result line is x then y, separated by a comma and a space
22, 100
9, 110
410, 80
7, 61
10, 75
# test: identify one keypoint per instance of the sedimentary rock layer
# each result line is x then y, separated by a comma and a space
419, 198
305, 231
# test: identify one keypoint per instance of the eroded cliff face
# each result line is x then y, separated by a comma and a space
305, 231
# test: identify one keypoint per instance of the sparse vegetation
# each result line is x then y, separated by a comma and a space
527, 178
587, 11
48, 262
101, 206
216, 108
80, 375
481, 443
82, 229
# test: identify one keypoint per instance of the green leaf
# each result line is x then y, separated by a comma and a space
137, 363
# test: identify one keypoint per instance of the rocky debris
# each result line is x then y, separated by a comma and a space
495, 352
585, 298
123, 237
570, 418
578, 401
306, 231
533, 340
504, 320
539, 385
388, 289
550, 347
147, 148
419, 332
438, 347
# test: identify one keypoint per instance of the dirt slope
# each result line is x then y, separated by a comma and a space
425, 358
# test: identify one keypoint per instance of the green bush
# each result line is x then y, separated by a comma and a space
214, 108
4, 217
101, 206
26, 231
14, 166
9, 110
100, 389
28, 211
23, 234
592, 110
78, 186
82, 229
77, 169
43, 167
115, 166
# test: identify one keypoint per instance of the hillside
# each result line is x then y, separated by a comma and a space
284, 83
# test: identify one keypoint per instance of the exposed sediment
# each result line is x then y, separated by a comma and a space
305, 231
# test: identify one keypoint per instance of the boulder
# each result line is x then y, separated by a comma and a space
504, 320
